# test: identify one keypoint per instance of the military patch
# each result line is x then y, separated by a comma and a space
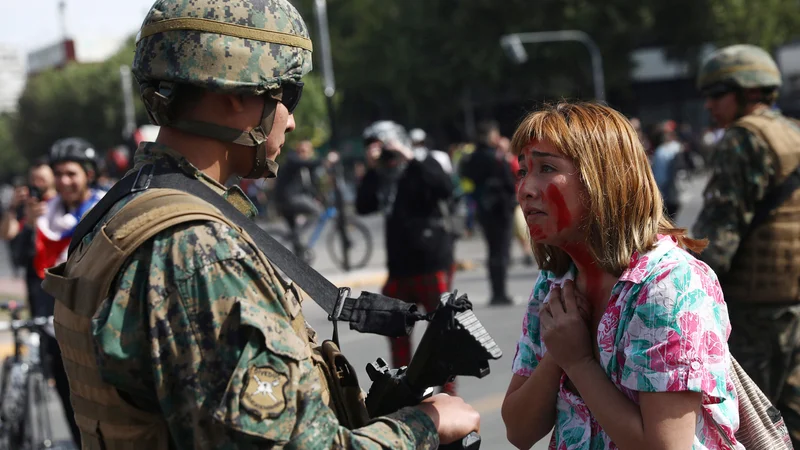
264, 393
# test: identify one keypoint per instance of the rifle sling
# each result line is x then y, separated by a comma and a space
369, 313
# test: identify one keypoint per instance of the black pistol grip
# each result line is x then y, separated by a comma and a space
471, 441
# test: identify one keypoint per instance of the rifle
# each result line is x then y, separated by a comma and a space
454, 344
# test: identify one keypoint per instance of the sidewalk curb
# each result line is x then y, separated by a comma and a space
12, 288
358, 280
6, 350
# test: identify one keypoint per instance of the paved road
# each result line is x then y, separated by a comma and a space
502, 323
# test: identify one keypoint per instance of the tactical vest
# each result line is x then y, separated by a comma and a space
766, 268
106, 420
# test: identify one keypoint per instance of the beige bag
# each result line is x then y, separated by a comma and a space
761, 426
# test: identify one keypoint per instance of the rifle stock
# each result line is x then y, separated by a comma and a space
454, 344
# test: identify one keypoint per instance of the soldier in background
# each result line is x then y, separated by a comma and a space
489, 171
754, 240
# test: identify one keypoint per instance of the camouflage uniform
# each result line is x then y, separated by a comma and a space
745, 168
197, 338
167, 340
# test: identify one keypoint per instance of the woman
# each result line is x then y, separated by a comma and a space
624, 343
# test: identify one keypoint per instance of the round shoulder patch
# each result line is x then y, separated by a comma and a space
264, 393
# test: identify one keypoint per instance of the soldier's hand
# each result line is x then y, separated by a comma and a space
453, 417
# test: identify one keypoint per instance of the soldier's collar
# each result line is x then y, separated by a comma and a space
151, 152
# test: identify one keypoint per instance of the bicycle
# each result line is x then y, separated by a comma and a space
358, 234
24, 391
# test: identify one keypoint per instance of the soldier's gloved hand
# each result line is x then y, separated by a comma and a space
453, 417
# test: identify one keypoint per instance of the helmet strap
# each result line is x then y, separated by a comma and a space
257, 137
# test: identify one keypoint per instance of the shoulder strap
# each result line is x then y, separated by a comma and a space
369, 313
774, 199
779, 194
155, 211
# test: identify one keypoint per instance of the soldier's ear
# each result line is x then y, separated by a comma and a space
235, 103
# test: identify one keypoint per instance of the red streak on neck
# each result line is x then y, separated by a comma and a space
591, 272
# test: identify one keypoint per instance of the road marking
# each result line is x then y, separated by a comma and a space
6, 350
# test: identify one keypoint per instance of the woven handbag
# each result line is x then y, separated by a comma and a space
761, 425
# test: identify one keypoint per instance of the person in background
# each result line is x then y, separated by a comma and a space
489, 171
415, 192
73, 164
664, 164
461, 155
17, 227
520, 227
636, 123
754, 243
297, 191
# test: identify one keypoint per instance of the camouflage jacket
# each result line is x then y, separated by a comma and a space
743, 170
174, 338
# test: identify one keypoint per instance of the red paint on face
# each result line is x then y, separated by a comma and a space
559, 207
537, 233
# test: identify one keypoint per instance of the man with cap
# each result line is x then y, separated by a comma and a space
189, 339
751, 217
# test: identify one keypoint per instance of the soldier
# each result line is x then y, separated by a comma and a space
189, 339
758, 261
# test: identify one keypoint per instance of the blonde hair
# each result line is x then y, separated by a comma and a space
625, 208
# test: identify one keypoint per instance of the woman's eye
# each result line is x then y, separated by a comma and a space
521, 173
546, 168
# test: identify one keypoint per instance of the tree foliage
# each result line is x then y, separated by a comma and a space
417, 61
79, 100
424, 63
11, 161
311, 114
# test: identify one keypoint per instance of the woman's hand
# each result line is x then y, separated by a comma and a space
564, 324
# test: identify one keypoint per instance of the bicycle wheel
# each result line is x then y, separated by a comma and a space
13, 397
38, 432
360, 244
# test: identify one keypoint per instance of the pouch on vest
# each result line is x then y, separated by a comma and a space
347, 398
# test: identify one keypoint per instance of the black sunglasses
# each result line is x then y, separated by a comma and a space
718, 91
290, 95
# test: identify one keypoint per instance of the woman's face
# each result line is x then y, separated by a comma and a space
551, 193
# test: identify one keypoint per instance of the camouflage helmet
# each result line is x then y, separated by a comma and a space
743, 66
242, 46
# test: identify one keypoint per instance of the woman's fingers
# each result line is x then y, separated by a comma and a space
569, 297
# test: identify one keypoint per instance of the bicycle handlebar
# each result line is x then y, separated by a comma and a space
37, 323
11, 306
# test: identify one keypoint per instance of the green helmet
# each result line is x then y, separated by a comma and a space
743, 66
243, 47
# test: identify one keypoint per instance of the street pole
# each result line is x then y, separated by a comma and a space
129, 126
321, 12
62, 19
512, 43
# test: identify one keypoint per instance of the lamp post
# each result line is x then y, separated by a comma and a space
321, 13
129, 126
512, 44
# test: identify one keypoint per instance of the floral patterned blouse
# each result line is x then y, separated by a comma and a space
665, 329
